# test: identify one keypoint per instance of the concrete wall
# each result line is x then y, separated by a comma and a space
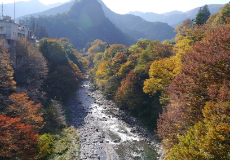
13, 32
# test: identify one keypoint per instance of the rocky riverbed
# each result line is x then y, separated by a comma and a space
108, 133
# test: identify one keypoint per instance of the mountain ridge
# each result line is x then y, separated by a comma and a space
137, 27
24, 8
175, 18
84, 22
141, 29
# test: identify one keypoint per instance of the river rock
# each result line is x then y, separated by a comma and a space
122, 131
116, 140
133, 130
100, 140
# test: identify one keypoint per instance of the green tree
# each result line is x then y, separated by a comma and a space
41, 32
61, 83
206, 13
200, 17
54, 53
203, 15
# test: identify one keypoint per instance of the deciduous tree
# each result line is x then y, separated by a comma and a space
31, 68
16, 139
7, 83
205, 67
128, 95
26, 110
161, 73
208, 139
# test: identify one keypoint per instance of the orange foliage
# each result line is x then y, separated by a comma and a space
77, 71
128, 94
7, 83
16, 138
26, 110
205, 70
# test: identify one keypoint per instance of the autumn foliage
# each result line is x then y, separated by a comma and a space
129, 90
199, 97
31, 67
66, 67
120, 73
189, 75
16, 138
26, 110
51, 71
7, 83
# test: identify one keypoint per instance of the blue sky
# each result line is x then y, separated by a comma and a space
156, 6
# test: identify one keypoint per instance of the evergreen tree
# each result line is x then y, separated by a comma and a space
32, 25
41, 31
206, 13
203, 15
200, 17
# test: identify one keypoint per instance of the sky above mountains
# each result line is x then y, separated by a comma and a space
156, 6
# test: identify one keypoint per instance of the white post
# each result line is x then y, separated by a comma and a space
14, 11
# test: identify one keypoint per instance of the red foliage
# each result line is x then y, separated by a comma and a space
128, 95
76, 70
16, 139
162, 50
26, 110
205, 76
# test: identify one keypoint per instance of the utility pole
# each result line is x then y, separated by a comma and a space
2, 9
14, 10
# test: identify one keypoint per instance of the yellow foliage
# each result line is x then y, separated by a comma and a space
125, 69
85, 63
187, 36
44, 146
161, 74
208, 139
103, 72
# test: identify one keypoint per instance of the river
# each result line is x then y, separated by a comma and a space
106, 132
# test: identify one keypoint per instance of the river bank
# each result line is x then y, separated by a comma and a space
107, 132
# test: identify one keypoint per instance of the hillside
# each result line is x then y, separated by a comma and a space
135, 26
84, 22
139, 28
24, 8
175, 18
52, 11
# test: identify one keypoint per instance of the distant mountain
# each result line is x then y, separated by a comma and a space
214, 8
84, 22
25, 8
175, 18
149, 16
173, 13
52, 11
139, 28
134, 26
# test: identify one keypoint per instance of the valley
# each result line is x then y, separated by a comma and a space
108, 133
79, 81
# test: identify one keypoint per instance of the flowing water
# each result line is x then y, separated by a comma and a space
104, 133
